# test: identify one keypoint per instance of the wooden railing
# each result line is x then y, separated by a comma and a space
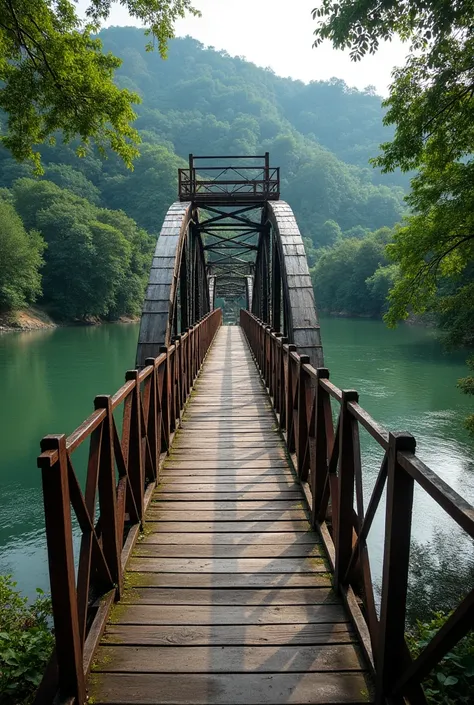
121, 472
327, 457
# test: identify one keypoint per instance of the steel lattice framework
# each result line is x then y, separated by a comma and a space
229, 237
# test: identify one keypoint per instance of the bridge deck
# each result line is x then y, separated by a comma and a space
228, 598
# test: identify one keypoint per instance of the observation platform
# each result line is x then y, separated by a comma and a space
228, 597
213, 184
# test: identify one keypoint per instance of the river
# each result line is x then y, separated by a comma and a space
48, 380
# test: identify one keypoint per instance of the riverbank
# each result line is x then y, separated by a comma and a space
36, 318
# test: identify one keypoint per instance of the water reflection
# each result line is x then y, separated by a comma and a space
48, 381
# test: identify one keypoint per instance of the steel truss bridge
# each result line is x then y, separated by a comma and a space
216, 552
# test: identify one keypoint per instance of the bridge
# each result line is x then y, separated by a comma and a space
206, 524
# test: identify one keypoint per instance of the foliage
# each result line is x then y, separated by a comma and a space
466, 385
198, 100
431, 104
55, 75
21, 258
437, 241
441, 575
451, 682
113, 254
353, 276
26, 642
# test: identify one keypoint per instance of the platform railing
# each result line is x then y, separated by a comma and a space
327, 457
125, 451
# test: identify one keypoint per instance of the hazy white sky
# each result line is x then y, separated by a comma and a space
279, 34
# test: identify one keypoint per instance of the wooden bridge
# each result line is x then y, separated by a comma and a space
218, 553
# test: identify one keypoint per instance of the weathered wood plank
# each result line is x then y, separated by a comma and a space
160, 514
229, 565
241, 505
230, 689
225, 580
228, 659
255, 538
323, 593
225, 526
151, 549
228, 495
218, 635
227, 614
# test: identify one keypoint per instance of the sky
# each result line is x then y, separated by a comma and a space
278, 34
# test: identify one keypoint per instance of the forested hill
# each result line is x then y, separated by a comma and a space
322, 134
203, 101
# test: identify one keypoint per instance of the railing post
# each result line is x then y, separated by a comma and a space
165, 401
135, 455
320, 470
266, 368
389, 657
290, 435
281, 374
107, 487
301, 441
57, 512
153, 423
344, 522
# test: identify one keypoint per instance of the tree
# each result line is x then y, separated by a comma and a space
20, 255
55, 76
431, 103
347, 277
96, 261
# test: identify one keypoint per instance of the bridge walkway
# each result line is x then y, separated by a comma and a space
228, 597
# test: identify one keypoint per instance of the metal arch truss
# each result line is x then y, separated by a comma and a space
283, 294
247, 253
177, 296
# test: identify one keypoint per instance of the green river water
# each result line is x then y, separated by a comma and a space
48, 380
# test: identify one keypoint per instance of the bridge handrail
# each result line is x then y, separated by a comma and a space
122, 470
328, 460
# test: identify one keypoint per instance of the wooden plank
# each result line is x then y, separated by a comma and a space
229, 689
159, 514
229, 565
224, 580
241, 505
227, 614
217, 635
198, 471
228, 495
323, 593
261, 485
228, 659
235, 538
225, 526
151, 549
172, 482
253, 465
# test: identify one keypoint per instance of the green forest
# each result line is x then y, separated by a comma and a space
78, 238
98, 213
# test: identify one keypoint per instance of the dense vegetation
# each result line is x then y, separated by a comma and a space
200, 100
55, 76
431, 104
26, 642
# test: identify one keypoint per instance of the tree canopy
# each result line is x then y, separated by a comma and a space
431, 104
55, 76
